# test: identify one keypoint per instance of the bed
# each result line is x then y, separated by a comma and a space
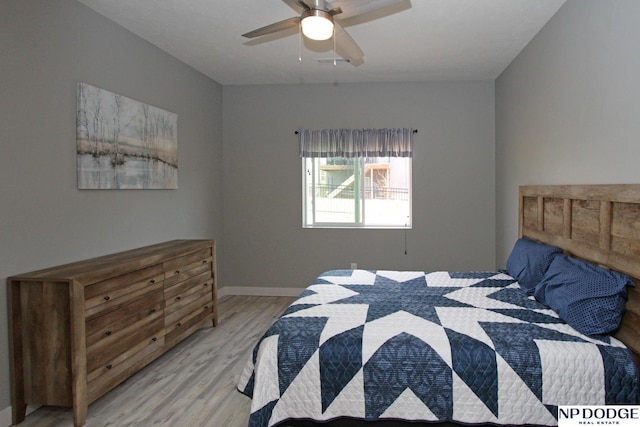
505, 347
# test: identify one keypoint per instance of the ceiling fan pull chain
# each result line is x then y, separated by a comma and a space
300, 41
335, 61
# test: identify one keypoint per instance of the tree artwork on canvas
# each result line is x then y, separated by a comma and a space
122, 143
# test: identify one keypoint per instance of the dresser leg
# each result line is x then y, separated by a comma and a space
79, 414
19, 411
78, 354
18, 404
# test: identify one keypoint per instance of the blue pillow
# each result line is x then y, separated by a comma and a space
529, 261
587, 297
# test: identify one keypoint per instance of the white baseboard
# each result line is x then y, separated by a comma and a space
5, 417
259, 291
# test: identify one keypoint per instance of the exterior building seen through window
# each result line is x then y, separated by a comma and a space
360, 192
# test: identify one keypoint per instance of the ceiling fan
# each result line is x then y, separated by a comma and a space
319, 21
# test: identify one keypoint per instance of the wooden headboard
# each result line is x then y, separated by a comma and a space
598, 223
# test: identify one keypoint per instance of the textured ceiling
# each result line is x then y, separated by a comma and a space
414, 40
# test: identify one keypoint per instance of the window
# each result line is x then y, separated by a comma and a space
368, 188
365, 192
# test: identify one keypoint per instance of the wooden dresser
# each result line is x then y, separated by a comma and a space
78, 330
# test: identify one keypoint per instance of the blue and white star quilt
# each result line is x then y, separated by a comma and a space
428, 346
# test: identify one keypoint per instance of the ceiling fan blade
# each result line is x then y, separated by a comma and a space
298, 5
273, 28
347, 47
351, 8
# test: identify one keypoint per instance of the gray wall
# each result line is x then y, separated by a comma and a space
568, 107
46, 47
453, 180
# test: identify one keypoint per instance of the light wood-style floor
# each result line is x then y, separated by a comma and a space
193, 384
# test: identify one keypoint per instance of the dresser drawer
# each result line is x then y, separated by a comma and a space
188, 266
178, 292
116, 292
179, 316
189, 324
180, 307
105, 378
122, 318
107, 351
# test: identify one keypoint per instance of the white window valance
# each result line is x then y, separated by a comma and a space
356, 142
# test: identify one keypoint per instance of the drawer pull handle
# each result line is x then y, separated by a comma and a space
178, 298
206, 307
204, 285
152, 281
153, 310
107, 332
154, 339
177, 271
107, 298
204, 261
178, 324
109, 366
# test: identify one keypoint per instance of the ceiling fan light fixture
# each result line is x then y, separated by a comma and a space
317, 24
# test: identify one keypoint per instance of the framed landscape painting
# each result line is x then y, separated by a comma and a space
122, 143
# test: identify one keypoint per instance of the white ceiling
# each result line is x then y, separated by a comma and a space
416, 40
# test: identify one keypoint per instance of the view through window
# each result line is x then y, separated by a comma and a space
368, 192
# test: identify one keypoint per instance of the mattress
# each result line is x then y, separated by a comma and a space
466, 347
